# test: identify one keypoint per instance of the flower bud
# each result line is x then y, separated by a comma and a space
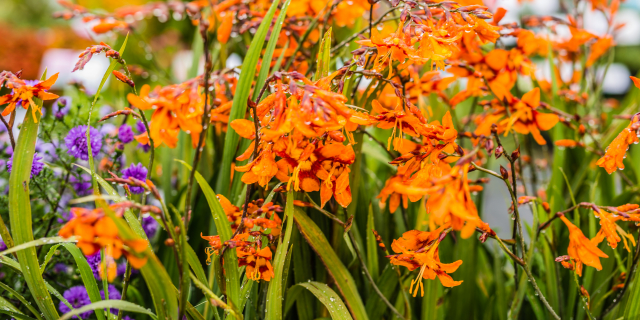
169, 242
499, 152
515, 155
504, 173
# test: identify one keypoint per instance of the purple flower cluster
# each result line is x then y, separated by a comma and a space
36, 167
94, 262
125, 133
77, 297
76, 142
135, 171
150, 226
82, 185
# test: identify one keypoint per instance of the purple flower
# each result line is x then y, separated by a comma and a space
140, 127
127, 318
81, 185
114, 294
125, 134
144, 147
61, 267
36, 167
94, 263
135, 171
76, 142
3, 246
150, 226
77, 297
61, 107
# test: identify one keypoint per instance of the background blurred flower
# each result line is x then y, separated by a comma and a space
81, 185
125, 134
150, 226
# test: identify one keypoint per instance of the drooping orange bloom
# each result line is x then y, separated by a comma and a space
419, 249
389, 192
258, 263
611, 231
599, 48
581, 249
23, 94
94, 231
616, 151
177, 107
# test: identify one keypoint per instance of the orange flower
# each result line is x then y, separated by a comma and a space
617, 150
224, 31
389, 190
94, 231
177, 107
526, 119
599, 48
258, 263
611, 231
581, 249
23, 94
419, 249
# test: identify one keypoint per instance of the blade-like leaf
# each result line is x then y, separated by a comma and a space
338, 271
224, 230
271, 46
275, 292
22, 299
239, 107
117, 304
329, 298
16, 315
324, 56
35, 243
20, 211
48, 257
87, 275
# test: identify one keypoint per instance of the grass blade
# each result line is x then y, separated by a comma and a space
35, 243
20, 212
324, 56
224, 230
86, 274
48, 257
239, 107
22, 299
338, 271
275, 291
118, 304
329, 298
271, 46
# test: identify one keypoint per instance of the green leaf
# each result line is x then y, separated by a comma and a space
271, 46
16, 266
35, 243
22, 299
86, 274
48, 257
275, 292
239, 106
305, 303
329, 298
6, 305
324, 56
16, 315
224, 230
387, 283
372, 247
344, 280
109, 304
20, 212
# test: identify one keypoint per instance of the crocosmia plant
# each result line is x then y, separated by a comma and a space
319, 159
